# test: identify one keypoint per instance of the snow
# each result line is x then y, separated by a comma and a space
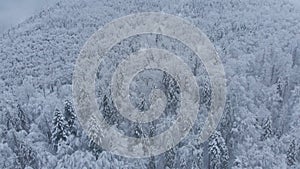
258, 43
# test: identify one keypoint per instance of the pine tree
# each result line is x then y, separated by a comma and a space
21, 121
151, 164
9, 122
70, 117
138, 132
105, 107
26, 156
59, 129
142, 105
93, 131
170, 159
214, 155
95, 149
267, 129
152, 132
291, 154
218, 152
172, 91
106, 110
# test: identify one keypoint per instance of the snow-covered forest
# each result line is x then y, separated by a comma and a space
258, 42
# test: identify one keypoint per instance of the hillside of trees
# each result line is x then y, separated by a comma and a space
258, 42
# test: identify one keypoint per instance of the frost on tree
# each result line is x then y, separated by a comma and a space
291, 154
261, 63
108, 110
267, 129
170, 159
25, 155
21, 122
218, 152
70, 117
94, 132
59, 129
95, 148
172, 91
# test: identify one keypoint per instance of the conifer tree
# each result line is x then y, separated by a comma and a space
267, 127
218, 152
291, 154
70, 117
21, 121
59, 129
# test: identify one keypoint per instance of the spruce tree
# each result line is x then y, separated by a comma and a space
93, 136
21, 121
70, 117
218, 152
25, 155
267, 129
291, 154
95, 149
170, 158
59, 129
108, 110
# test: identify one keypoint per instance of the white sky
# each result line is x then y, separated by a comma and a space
13, 12
297, 2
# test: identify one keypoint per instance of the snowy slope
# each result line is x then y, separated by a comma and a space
258, 42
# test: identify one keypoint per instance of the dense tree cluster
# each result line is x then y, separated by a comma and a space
258, 43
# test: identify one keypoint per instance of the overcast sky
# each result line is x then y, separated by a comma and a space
13, 12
